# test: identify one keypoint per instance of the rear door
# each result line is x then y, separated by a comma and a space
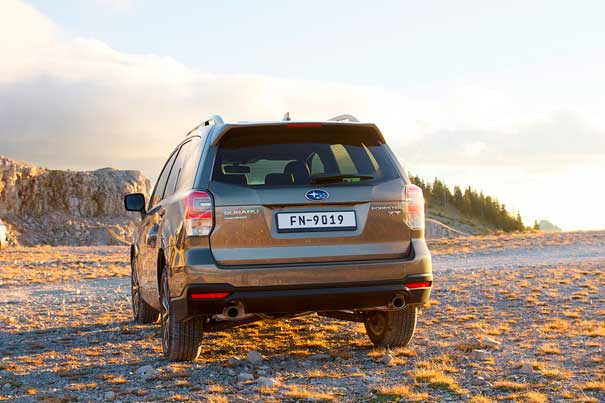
306, 193
148, 240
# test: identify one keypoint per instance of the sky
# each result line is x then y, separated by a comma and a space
507, 97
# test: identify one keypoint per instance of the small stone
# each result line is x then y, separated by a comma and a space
373, 379
422, 342
7, 386
244, 377
481, 355
267, 382
386, 359
147, 372
234, 361
110, 395
490, 343
526, 369
474, 343
254, 357
320, 356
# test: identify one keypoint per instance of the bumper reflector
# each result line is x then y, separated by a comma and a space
209, 295
420, 284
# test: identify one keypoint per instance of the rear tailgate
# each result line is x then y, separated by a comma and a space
299, 194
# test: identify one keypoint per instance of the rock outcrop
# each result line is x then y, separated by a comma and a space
547, 226
56, 207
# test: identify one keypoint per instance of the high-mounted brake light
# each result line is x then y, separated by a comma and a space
420, 284
304, 125
198, 213
209, 295
413, 207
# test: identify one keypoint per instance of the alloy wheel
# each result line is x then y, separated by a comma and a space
135, 290
165, 312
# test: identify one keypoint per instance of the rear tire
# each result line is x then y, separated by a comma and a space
142, 312
391, 328
181, 340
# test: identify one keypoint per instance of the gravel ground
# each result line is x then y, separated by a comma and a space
513, 320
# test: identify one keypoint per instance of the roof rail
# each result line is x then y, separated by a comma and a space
215, 119
342, 118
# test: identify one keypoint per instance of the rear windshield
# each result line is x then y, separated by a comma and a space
283, 156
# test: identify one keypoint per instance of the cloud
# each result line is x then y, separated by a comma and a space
80, 104
77, 103
552, 143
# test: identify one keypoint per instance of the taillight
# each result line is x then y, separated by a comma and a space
420, 284
413, 207
198, 213
209, 295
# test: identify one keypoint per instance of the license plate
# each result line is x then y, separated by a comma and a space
324, 221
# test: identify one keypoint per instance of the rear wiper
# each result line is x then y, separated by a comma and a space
339, 178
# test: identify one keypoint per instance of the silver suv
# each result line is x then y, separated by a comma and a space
258, 220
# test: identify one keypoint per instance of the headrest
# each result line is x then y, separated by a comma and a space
299, 171
234, 179
278, 179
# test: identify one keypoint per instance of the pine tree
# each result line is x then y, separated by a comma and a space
471, 203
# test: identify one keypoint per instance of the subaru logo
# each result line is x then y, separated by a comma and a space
316, 195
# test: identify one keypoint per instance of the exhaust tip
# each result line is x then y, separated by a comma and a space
398, 302
234, 311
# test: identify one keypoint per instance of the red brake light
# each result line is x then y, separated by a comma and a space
420, 284
304, 125
209, 295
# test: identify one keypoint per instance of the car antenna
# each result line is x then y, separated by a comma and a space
286, 117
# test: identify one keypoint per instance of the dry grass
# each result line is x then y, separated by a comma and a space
528, 397
510, 386
45, 264
402, 391
529, 310
548, 348
434, 374
556, 373
215, 388
591, 328
305, 392
593, 386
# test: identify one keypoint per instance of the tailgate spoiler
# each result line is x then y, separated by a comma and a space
221, 129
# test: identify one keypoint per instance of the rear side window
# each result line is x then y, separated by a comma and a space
160, 185
190, 163
284, 156
185, 167
177, 168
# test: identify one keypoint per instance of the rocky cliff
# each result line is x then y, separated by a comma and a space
55, 207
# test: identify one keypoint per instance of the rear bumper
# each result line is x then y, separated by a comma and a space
308, 298
298, 288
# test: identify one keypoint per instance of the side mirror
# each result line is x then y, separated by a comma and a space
135, 202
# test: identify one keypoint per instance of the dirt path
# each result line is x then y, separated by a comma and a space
522, 323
